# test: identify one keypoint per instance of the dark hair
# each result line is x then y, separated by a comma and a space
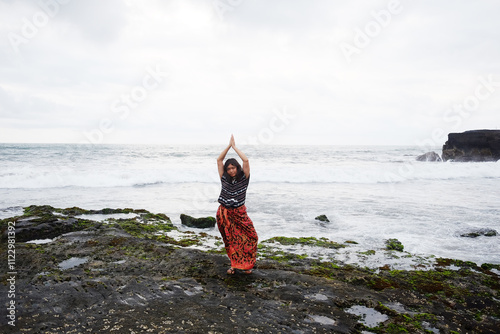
239, 170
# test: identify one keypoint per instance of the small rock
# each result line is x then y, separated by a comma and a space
322, 218
429, 156
197, 222
487, 232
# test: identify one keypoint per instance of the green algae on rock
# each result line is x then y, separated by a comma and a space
322, 218
306, 241
139, 229
394, 244
45, 221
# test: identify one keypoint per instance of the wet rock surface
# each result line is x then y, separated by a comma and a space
113, 281
203, 222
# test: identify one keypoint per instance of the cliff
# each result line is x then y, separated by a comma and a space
475, 145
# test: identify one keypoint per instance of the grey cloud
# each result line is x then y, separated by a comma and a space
97, 21
261, 54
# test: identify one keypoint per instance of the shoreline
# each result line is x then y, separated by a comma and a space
121, 270
357, 253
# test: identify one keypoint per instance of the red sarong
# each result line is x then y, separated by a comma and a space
239, 235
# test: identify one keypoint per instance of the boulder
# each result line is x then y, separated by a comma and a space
197, 222
475, 145
429, 156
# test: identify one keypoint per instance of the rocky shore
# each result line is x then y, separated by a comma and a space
137, 273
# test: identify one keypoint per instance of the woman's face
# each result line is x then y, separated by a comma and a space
231, 170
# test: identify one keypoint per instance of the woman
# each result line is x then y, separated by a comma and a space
236, 228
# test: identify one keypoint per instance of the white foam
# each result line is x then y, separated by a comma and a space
11, 212
285, 165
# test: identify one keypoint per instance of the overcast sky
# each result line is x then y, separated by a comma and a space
271, 72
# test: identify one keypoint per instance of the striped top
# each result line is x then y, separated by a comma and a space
233, 193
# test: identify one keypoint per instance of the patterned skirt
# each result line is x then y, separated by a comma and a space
239, 235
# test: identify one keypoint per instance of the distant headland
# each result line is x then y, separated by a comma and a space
468, 146
474, 145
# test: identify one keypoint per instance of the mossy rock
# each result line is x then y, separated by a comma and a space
74, 211
306, 241
204, 222
38, 210
141, 230
394, 244
322, 218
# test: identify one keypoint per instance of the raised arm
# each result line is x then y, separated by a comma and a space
220, 159
243, 157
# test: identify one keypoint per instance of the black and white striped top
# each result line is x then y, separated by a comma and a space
233, 192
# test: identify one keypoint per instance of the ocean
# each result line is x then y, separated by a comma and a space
369, 193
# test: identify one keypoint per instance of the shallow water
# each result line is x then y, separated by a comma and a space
40, 241
369, 316
322, 319
72, 262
